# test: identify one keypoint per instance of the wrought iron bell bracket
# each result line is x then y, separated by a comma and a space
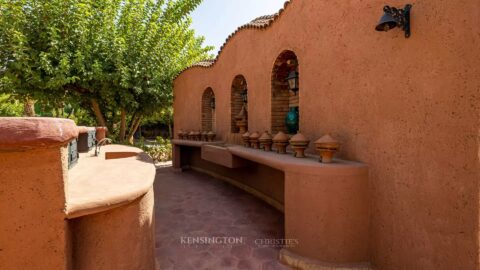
401, 17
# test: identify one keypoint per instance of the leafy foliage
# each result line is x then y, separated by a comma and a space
107, 56
161, 151
10, 106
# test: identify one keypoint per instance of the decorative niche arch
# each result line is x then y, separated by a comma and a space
239, 100
208, 110
283, 100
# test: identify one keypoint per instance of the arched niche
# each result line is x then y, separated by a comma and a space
239, 99
208, 110
283, 100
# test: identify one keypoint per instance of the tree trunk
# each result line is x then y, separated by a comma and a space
135, 123
170, 130
29, 107
123, 126
98, 113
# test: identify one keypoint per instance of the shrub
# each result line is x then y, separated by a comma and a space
161, 151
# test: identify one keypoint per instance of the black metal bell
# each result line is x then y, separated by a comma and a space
386, 23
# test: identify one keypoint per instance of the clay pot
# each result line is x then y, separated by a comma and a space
254, 140
191, 135
280, 142
211, 136
246, 139
327, 147
242, 125
198, 136
266, 141
100, 133
299, 143
241, 120
181, 134
204, 136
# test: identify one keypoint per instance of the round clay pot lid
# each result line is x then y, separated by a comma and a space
211, 133
299, 138
265, 136
254, 135
281, 137
246, 135
327, 139
191, 133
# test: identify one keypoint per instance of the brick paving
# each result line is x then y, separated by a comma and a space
190, 205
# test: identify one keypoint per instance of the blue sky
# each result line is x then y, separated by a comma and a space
217, 19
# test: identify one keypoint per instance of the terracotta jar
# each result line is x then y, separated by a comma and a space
100, 133
241, 120
211, 136
327, 147
242, 125
254, 140
299, 143
198, 135
204, 136
246, 139
280, 141
191, 135
266, 141
180, 134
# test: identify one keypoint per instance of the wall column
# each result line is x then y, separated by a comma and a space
33, 169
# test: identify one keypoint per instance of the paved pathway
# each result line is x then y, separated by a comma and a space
191, 205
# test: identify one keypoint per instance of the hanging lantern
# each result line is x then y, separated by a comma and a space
292, 80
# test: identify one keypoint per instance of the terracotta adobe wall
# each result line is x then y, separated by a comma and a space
406, 107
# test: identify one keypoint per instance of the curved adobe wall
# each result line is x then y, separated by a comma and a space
407, 107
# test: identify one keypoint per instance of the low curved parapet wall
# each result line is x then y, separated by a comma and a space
110, 207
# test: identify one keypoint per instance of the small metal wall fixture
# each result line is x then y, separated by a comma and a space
394, 17
72, 153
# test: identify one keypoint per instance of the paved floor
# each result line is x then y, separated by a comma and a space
191, 205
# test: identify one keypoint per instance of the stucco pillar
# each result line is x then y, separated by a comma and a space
177, 162
33, 169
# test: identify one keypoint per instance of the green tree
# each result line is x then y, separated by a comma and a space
116, 58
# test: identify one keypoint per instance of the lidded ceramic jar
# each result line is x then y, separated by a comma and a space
180, 134
191, 135
266, 141
280, 142
211, 136
292, 120
327, 147
241, 120
204, 136
197, 135
299, 143
254, 140
246, 139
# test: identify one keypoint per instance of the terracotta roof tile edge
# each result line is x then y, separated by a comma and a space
27, 133
258, 23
